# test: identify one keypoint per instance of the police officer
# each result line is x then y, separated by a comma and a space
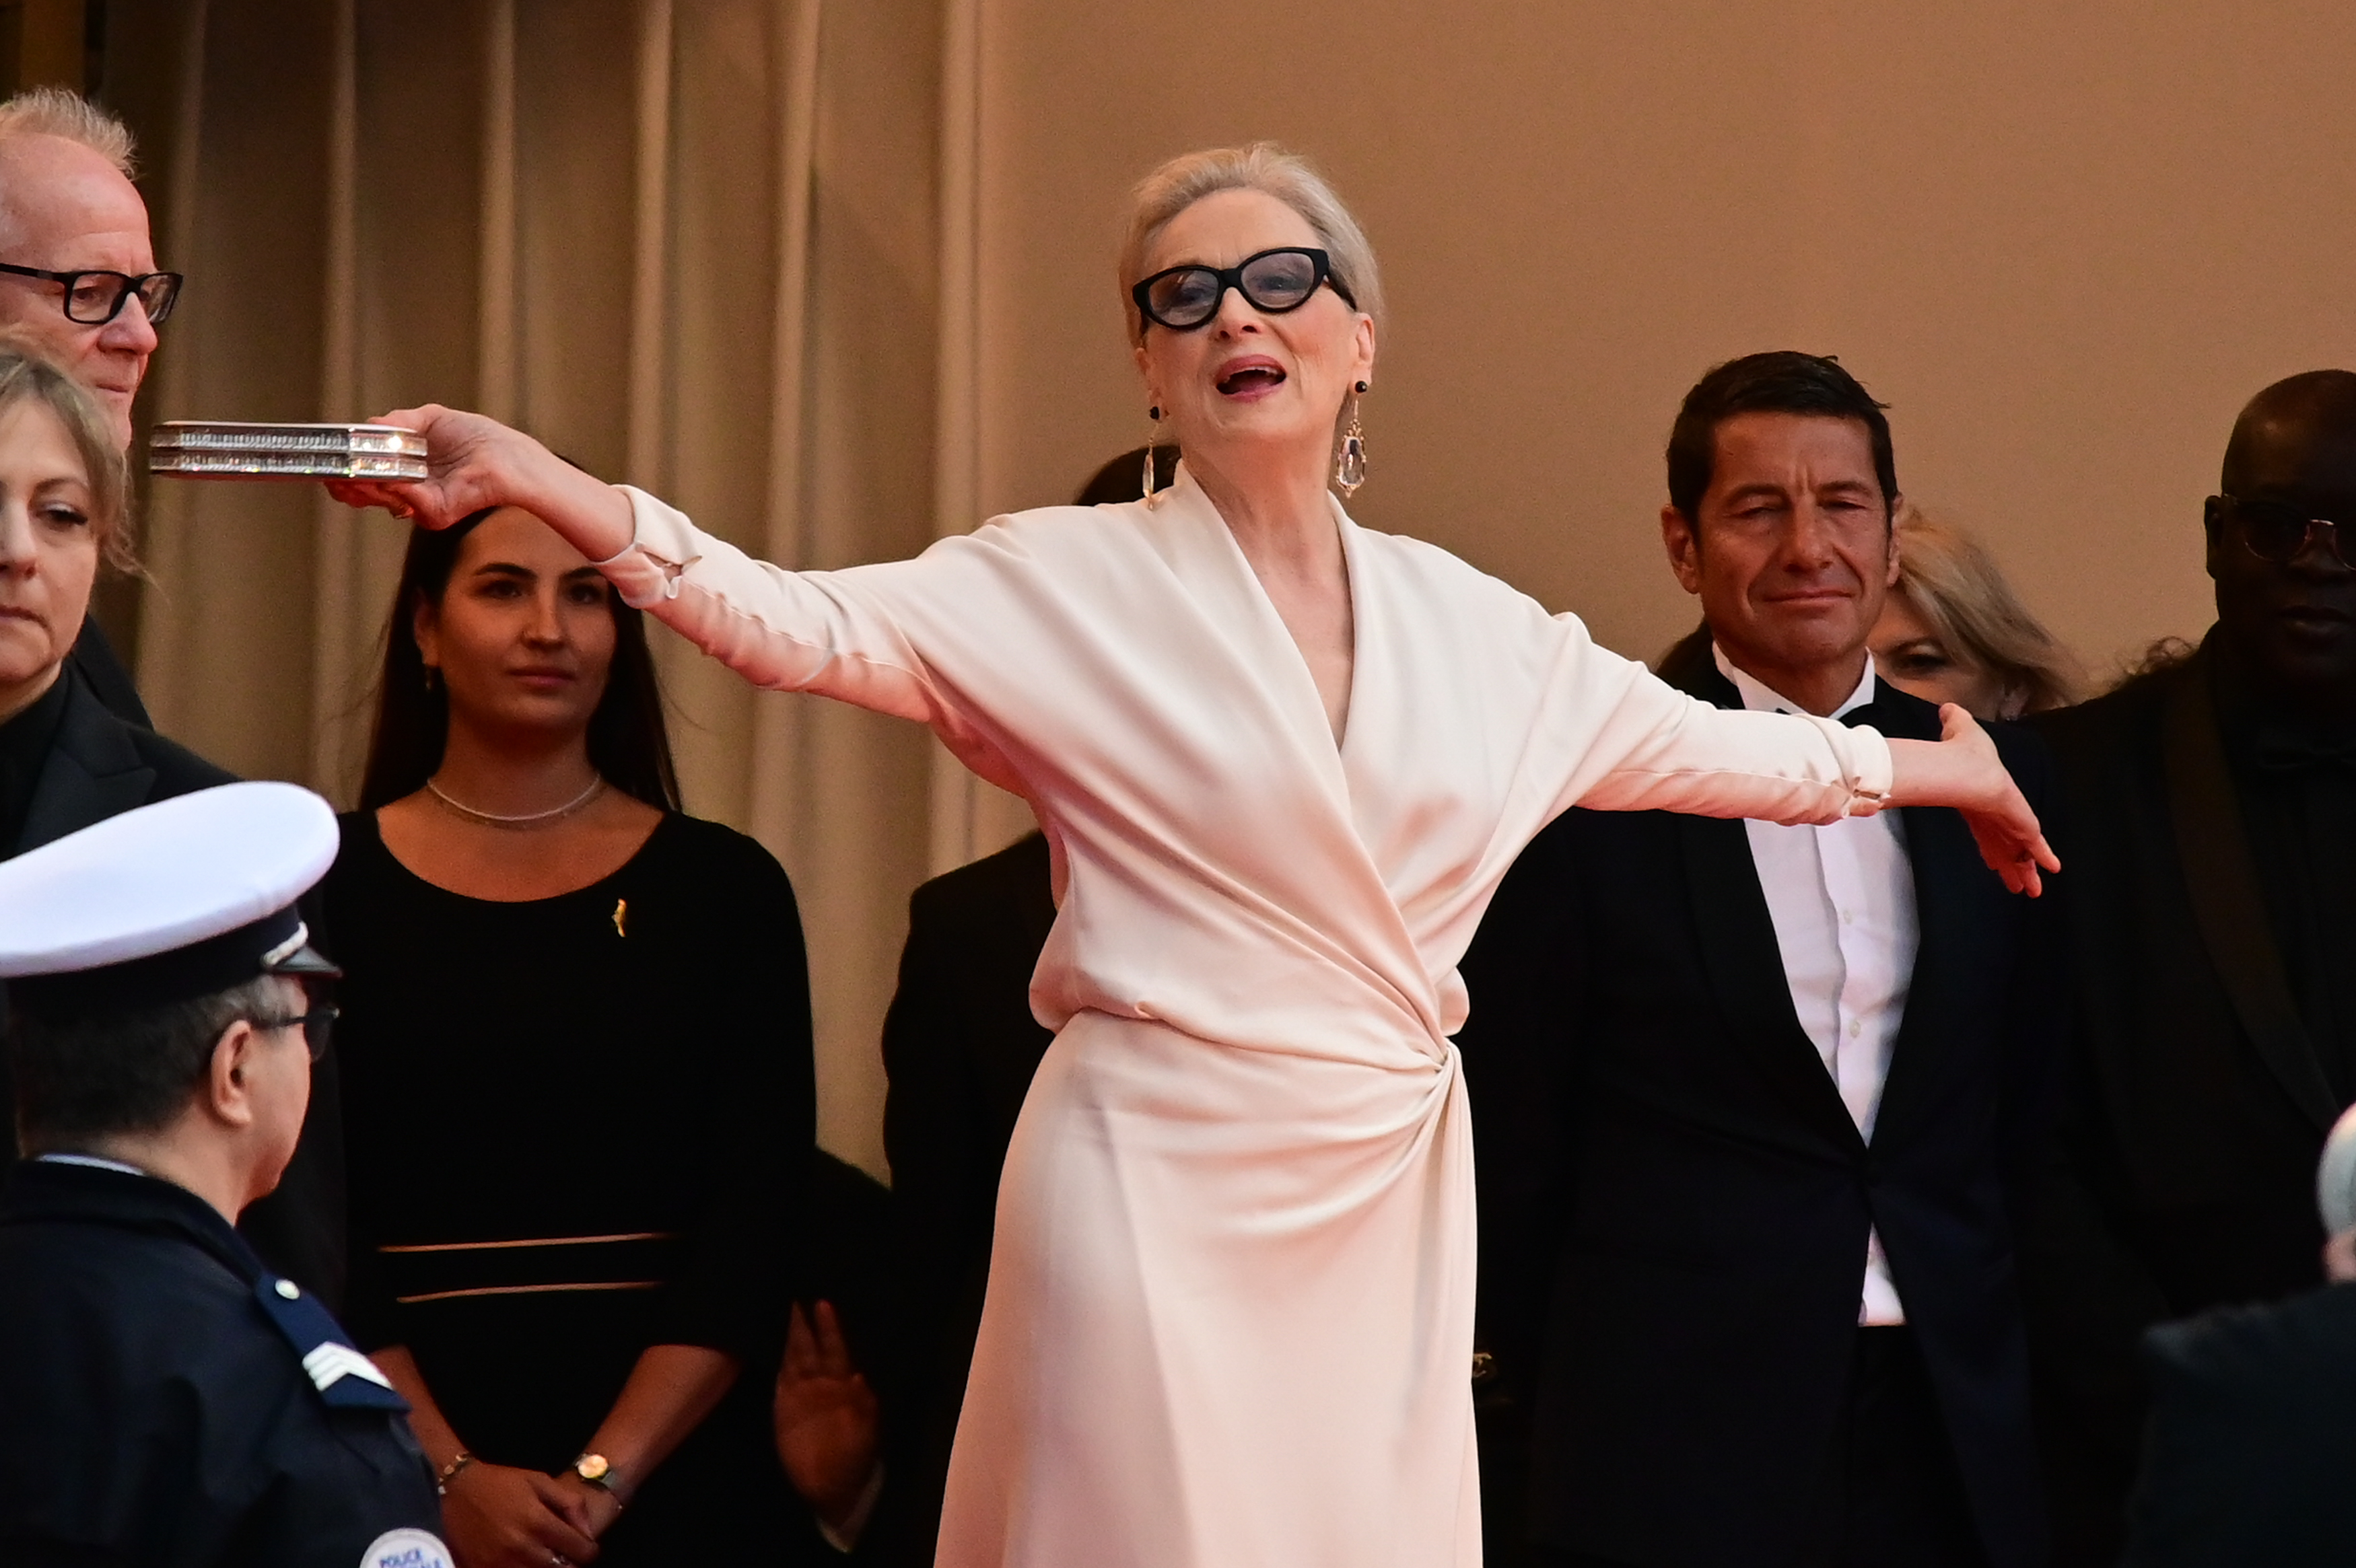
164, 1398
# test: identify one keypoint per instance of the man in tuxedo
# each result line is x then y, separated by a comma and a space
2210, 830
1747, 1095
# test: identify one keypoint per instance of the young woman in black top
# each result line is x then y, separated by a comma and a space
576, 1043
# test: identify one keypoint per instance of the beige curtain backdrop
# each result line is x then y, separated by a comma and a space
693, 245
836, 275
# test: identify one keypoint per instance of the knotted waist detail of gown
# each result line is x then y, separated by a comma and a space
1228, 1279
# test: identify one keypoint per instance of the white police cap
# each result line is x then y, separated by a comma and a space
173, 900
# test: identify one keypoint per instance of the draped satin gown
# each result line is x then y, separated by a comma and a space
1229, 1320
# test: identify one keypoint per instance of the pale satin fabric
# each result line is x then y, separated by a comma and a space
1229, 1320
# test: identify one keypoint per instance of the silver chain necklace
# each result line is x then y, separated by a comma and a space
529, 818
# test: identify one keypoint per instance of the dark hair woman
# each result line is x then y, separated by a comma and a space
576, 1045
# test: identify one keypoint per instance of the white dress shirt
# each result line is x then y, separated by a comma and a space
1842, 897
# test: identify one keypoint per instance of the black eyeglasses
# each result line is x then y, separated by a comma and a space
1274, 282
93, 299
317, 1025
2280, 534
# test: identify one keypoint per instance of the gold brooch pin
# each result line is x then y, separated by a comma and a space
621, 912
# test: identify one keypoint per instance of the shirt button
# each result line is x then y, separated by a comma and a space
1846, 918
287, 1288
1855, 1028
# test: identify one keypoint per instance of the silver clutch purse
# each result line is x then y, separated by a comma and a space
213, 449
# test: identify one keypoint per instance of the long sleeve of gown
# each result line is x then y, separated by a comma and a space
830, 632
1676, 753
1585, 726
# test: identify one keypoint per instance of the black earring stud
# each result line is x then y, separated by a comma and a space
1361, 386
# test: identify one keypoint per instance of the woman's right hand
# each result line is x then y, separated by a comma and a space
495, 1516
474, 462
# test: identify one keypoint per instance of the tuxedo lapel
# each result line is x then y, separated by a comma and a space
1944, 858
93, 772
1739, 950
2221, 880
1745, 964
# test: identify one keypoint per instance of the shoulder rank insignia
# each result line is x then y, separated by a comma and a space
344, 1377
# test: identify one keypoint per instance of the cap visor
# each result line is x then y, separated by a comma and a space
306, 960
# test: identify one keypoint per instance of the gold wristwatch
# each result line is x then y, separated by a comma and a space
595, 1469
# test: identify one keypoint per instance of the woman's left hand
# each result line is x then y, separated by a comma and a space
596, 1507
1963, 771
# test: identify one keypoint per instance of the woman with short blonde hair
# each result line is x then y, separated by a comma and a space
1283, 762
1955, 631
66, 761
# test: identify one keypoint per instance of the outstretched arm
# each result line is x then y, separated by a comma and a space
847, 634
1670, 752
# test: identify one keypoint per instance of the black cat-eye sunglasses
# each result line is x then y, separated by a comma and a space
1274, 282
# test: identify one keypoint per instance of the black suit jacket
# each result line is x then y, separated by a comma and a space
100, 766
2186, 1171
959, 1048
1675, 1201
2250, 1459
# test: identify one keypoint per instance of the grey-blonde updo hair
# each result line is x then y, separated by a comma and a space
1262, 167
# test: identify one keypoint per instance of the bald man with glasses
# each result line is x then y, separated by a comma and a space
2210, 827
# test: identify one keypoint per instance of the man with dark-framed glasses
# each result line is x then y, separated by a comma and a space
77, 282
2211, 823
77, 269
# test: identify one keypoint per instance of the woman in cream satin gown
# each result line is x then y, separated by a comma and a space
1229, 1321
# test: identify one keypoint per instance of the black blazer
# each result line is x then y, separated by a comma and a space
1675, 1200
100, 766
2251, 1442
959, 1048
2197, 1108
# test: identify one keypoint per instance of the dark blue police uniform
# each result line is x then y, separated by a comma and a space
164, 1400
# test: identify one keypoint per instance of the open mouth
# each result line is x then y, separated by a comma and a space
1245, 377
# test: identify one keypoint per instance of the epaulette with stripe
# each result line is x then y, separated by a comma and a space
345, 1379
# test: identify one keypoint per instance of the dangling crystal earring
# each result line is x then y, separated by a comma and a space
1151, 440
1350, 466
